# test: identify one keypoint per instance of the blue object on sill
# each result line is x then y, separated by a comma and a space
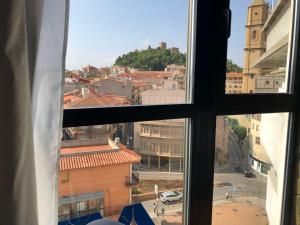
82, 220
137, 213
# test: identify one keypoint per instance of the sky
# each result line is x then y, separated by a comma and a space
102, 30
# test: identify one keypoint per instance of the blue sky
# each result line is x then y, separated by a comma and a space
101, 30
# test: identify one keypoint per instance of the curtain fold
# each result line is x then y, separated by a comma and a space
32, 53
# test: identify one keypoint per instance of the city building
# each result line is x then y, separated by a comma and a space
132, 89
104, 71
257, 15
161, 143
258, 157
89, 98
176, 69
90, 69
273, 62
174, 50
274, 78
163, 45
236, 83
119, 69
85, 182
155, 78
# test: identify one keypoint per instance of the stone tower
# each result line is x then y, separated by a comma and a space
255, 40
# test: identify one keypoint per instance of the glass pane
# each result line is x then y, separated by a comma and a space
106, 169
249, 169
259, 46
123, 52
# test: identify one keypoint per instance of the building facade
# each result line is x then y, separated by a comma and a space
85, 182
258, 157
236, 83
257, 15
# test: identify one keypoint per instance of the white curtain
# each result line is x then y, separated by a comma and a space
32, 53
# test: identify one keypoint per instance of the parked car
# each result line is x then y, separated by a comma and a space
248, 173
171, 196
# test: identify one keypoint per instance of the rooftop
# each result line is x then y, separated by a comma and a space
95, 156
93, 99
234, 74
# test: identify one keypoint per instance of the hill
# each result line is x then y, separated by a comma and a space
157, 59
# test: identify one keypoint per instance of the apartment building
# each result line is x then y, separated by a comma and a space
258, 157
124, 87
85, 182
273, 62
236, 83
161, 143
274, 78
176, 69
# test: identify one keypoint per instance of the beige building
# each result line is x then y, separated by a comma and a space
176, 69
273, 62
163, 45
161, 143
255, 40
236, 83
258, 157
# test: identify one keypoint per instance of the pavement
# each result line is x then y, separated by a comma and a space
156, 175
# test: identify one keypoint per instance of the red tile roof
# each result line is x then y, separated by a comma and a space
234, 74
146, 74
96, 100
78, 160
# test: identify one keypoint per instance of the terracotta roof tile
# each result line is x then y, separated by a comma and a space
70, 161
234, 74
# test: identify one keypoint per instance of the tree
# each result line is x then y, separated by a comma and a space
232, 67
151, 59
232, 122
240, 131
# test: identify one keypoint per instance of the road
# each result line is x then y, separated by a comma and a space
237, 185
169, 209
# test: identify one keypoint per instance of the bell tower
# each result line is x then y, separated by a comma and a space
255, 40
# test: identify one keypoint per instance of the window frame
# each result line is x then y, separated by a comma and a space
208, 56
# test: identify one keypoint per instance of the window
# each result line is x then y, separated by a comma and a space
260, 56
248, 177
65, 177
254, 35
257, 140
202, 136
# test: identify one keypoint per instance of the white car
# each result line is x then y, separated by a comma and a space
171, 196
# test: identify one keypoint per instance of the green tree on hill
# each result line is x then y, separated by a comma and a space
158, 58
232, 67
151, 59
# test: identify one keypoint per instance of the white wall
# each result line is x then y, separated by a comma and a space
281, 27
273, 137
163, 96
